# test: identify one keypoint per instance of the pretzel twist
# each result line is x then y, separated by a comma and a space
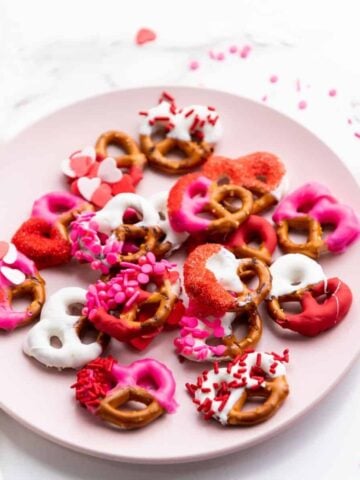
275, 391
156, 153
314, 245
109, 408
133, 155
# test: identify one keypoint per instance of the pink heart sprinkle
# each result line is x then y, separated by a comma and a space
4, 248
80, 164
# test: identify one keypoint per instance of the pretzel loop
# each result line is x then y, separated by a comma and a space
274, 392
156, 153
148, 236
133, 155
34, 286
314, 244
165, 298
249, 299
236, 346
110, 411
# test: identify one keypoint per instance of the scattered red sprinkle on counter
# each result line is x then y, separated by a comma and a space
332, 92
302, 105
273, 78
145, 35
233, 49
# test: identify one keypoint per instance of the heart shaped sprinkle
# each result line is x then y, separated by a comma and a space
101, 195
145, 35
108, 171
88, 186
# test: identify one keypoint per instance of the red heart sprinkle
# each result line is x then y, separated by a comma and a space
145, 35
101, 195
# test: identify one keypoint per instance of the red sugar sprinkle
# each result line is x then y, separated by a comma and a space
233, 49
332, 92
161, 119
273, 78
194, 124
302, 105
212, 109
209, 415
187, 114
357, 134
264, 98
145, 114
349, 121
145, 35
220, 56
223, 403
168, 96
258, 360
216, 367
191, 388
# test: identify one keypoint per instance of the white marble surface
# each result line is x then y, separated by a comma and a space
54, 53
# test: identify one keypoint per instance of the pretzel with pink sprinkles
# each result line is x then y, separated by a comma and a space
198, 331
124, 306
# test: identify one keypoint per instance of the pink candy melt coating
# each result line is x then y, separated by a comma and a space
53, 204
315, 200
9, 319
151, 375
195, 198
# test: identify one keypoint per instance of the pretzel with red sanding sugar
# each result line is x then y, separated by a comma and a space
212, 279
221, 393
261, 172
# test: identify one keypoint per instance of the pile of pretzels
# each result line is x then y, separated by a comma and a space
214, 216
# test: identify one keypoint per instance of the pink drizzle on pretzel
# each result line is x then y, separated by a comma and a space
315, 200
14, 269
103, 376
53, 204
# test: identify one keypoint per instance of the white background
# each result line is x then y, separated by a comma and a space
55, 52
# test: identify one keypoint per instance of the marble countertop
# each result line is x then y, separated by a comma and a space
299, 58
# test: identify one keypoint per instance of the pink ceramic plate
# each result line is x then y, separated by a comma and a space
41, 399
